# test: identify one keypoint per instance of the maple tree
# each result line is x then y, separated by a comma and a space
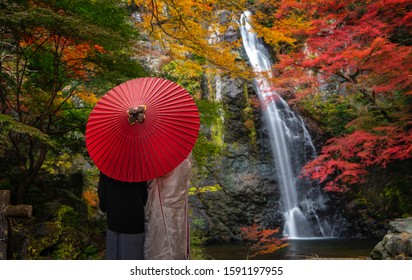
199, 33
196, 33
360, 51
56, 57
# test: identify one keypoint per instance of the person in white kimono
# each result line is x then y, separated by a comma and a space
166, 215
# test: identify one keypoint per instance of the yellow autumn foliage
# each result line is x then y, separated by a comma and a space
191, 27
188, 27
87, 97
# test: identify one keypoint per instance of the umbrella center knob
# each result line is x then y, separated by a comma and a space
136, 114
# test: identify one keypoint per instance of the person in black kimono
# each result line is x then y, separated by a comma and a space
123, 203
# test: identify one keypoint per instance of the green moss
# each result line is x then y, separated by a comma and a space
197, 239
69, 245
385, 196
211, 116
196, 245
204, 150
331, 110
189, 78
66, 216
360, 202
214, 188
209, 111
216, 130
210, 141
248, 117
398, 197
43, 237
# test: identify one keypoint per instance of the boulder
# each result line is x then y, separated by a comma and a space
397, 243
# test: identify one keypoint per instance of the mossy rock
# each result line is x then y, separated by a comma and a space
67, 216
69, 245
42, 238
55, 240
360, 203
50, 241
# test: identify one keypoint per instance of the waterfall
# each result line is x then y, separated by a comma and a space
291, 144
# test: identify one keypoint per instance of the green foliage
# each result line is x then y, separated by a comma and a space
65, 163
209, 111
103, 18
56, 58
69, 246
9, 125
332, 111
189, 80
115, 68
197, 239
59, 239
66, 216
89, 253
45, 235
204, 150
248, 116
385, 196
397, 197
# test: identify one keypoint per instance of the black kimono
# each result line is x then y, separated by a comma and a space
123, 203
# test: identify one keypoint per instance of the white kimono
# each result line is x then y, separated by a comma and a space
166, 215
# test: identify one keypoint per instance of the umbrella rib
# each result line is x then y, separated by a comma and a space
147, 156
156, 154
157, 124
162, 129
113, 98
118, 96
94, 131
98, 125
113, 159
121, 158
104, 141
158, 91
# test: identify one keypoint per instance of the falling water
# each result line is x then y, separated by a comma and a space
290, 141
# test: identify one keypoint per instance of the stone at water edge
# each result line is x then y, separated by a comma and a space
397, 243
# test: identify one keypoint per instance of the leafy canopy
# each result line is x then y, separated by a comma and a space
56, 58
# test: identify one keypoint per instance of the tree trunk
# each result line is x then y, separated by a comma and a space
22, 190
29, 175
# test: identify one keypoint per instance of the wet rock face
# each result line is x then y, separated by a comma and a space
397, 243
244, 172
246, 198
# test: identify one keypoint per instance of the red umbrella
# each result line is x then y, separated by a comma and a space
142, 129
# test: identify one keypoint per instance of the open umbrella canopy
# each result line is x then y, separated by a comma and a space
142, 129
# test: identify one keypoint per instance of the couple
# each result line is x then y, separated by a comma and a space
147, 220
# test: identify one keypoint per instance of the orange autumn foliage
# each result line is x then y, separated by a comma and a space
74, 57
91, 198
263, 239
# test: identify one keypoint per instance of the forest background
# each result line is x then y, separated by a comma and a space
344, 65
